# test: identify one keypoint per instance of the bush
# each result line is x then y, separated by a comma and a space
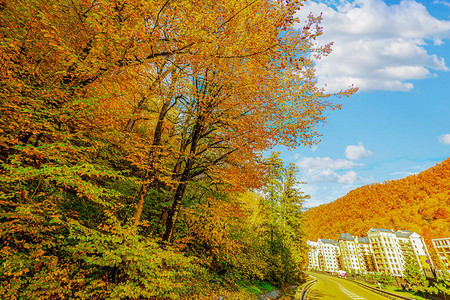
46, 257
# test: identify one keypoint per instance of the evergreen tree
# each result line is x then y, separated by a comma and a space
442, 283
413, 274
283, 203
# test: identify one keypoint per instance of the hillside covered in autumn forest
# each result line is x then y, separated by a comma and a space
419, 203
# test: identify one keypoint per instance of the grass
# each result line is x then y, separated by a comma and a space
257, 287
395, 290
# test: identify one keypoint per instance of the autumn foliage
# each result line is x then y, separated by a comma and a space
131, 133
419, 203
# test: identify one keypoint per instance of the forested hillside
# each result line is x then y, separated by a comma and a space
419, 203
131, 137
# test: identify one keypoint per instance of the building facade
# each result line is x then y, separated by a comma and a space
313, 256
350, 255
323, 255
386, 251
365, 254
442, 248
411, 243
382, 250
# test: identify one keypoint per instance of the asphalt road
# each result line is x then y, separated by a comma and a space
328, 287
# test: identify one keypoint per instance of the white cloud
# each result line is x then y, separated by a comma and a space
328, 175
377, 46
312, 164
350, 177
325, 193
446, 3
444, 139
324, 175
325, 169
355, 152
402, 174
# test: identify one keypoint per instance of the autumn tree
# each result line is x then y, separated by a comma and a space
113, 112
241, 99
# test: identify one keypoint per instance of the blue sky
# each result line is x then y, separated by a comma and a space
398, 54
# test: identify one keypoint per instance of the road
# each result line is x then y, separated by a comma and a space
334, 288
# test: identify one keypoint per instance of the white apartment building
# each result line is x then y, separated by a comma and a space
382, 250
390, 248
329, 255
408, 241
323, 255
313, 255
349, 253
365, 254
442, 247
386, 250
356, 254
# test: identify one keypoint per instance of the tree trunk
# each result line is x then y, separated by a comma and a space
173, 214
141, 200
154, 158
179, 193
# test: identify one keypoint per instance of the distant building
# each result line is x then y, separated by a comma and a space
442, 248
390, 248
328, 255
351, 257
313, 256
411, 243
386, 251
382, 250
365, 254
323, 255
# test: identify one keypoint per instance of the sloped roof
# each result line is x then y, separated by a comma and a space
404, 233
364, 240
346, 237
328, 241
380, 229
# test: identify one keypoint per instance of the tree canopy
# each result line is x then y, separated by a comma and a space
132, 137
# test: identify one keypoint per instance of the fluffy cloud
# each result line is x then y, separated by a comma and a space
313, 164
377, 46
325, 169
446, 3
337, 174
350, 177
355, 152
328, 175
444, 139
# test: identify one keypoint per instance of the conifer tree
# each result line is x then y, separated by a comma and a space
414, 275
442, 283
283, 201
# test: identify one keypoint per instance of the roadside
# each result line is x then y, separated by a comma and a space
283, 294
392, 289
384, 287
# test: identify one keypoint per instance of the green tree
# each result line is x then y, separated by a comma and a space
442, 283
117, 116
283, 203
385, 278
414, 275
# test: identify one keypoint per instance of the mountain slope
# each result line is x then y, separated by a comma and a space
419, 203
